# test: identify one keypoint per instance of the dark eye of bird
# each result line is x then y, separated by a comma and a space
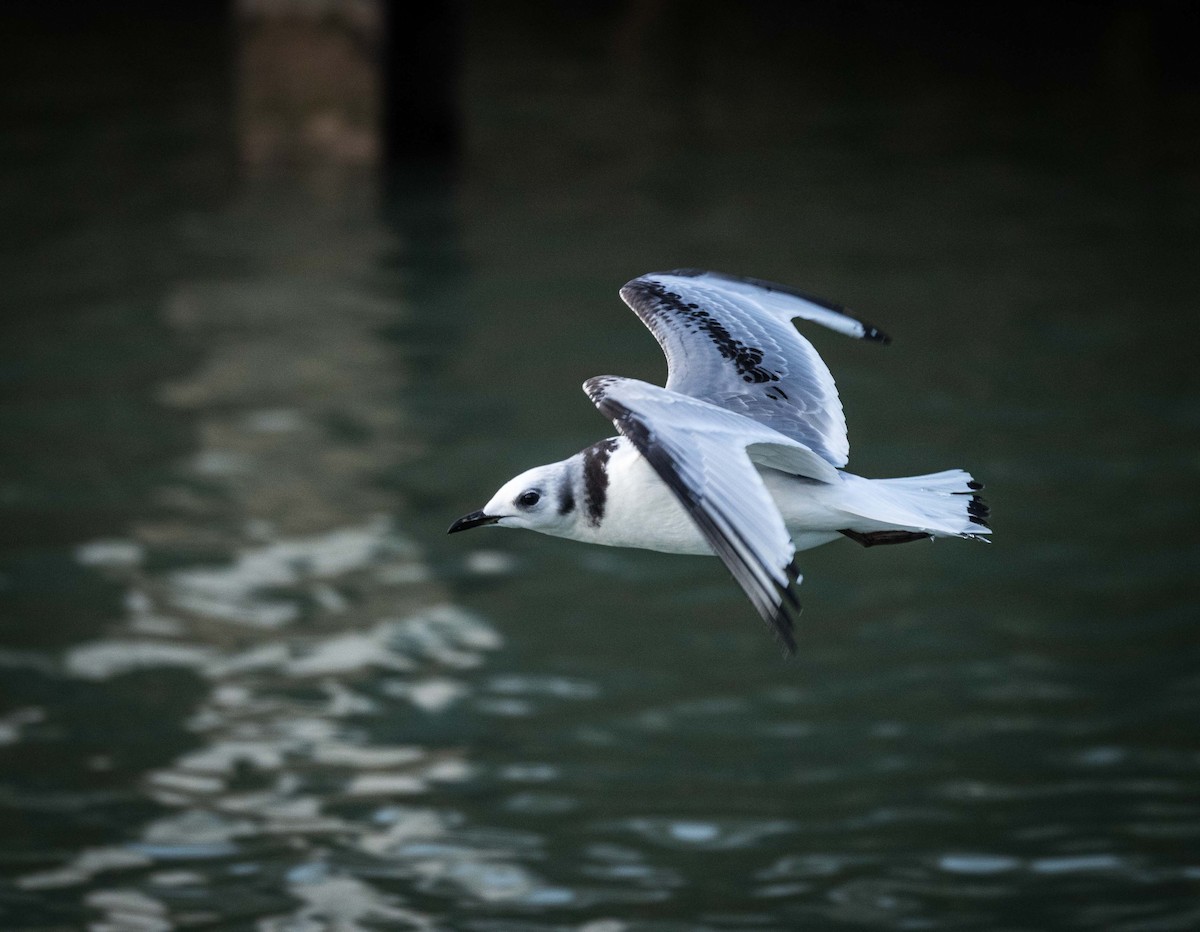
528, 499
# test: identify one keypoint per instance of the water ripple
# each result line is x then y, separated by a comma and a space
704, 834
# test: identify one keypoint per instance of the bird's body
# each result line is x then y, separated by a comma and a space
740, 455
609, 494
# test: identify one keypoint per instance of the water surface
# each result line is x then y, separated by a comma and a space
248, 683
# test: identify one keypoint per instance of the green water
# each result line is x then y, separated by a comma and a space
248, 683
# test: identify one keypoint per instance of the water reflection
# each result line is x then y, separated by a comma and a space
321, 656
310, 618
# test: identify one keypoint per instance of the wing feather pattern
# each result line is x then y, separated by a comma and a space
700, 452
731, 342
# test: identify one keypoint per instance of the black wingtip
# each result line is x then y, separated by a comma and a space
783, 620
789, 647
783, 624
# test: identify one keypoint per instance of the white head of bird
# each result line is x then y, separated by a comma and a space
539, 499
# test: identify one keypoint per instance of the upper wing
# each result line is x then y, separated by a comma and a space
730, 341
699, 451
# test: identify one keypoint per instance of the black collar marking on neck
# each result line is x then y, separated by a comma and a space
595, 479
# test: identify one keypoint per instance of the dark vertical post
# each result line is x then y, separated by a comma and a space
421, 55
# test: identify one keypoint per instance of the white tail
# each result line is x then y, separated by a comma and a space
941, 504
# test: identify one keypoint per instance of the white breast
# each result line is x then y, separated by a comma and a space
640, 510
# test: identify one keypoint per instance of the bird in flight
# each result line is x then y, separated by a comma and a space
741, 455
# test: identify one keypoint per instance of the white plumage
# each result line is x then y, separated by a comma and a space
739, 455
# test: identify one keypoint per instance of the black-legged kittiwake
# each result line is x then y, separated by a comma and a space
740, 455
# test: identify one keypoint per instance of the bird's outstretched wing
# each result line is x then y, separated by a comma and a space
703, 454
730, 341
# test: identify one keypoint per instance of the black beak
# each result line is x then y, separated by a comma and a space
474, 519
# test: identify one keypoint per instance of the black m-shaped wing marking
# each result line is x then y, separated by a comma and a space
731, 341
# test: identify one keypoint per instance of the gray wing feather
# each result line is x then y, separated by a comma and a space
730, 341
699, 451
